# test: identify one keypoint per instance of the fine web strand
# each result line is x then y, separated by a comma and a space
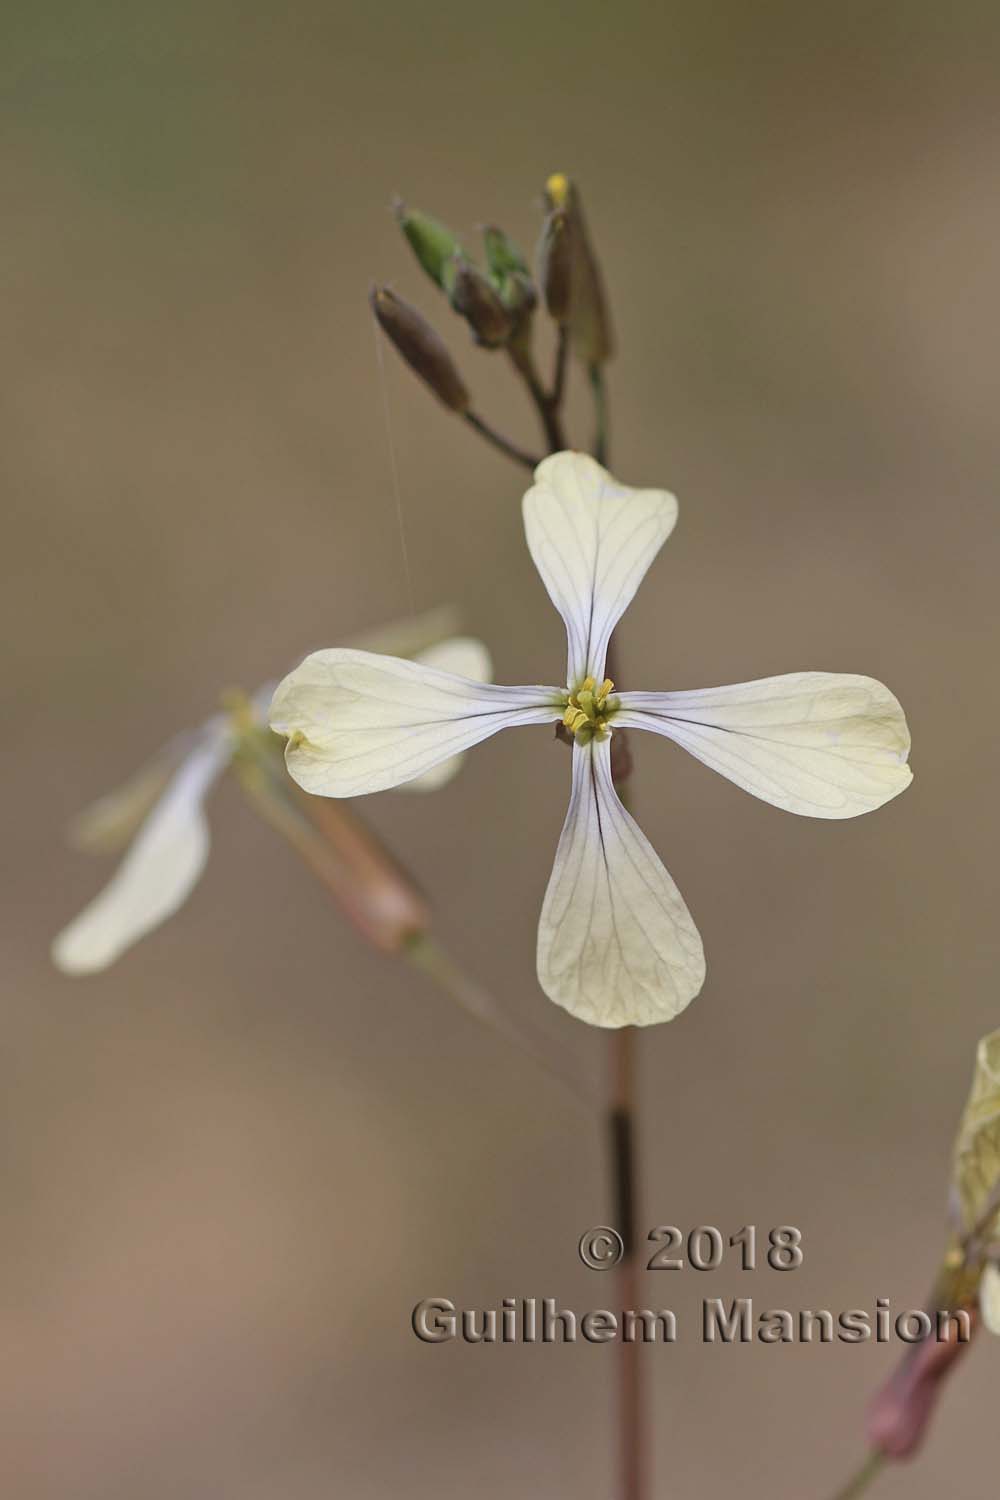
393, 467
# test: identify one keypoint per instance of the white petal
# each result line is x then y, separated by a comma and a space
466, 657
110, 823
616, 943
592, 540
989, 1298
360, 723
158, 872
824, 744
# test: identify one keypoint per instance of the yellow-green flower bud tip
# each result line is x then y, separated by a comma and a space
423, 350
432, 243
558, 190
509, 272
502, 256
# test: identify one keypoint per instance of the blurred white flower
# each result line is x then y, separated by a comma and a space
616, 944
989, 1297
162, 810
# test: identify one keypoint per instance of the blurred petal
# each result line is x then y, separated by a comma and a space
465, 657
462, 656
616, 943
359, 723
592, 540
411, 635
823, 744
989, 1298
156, 875
108, 824
976, 1168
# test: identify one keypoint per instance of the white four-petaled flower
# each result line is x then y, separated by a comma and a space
616, 943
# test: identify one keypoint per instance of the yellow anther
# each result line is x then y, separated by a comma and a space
586, 710
557, 188
574, 718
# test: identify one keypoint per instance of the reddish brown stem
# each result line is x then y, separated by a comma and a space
632, 1455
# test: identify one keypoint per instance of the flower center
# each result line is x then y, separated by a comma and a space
587, 713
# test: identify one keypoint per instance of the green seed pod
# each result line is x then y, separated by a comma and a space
423, 350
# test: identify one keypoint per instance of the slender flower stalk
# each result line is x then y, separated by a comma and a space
866, 1475
506, 445
428, 954
546, 403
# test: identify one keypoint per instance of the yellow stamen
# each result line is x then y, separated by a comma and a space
575, 718
586, 710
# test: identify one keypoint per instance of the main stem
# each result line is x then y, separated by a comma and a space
632, 1466
632, 1455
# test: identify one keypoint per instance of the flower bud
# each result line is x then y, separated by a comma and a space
519, 295
571, 274
423, 349
509, 272
368, 883
433, 243
903, 1409
475, 299
554, 265
502, 256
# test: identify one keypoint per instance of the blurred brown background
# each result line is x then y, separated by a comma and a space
235, 1161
